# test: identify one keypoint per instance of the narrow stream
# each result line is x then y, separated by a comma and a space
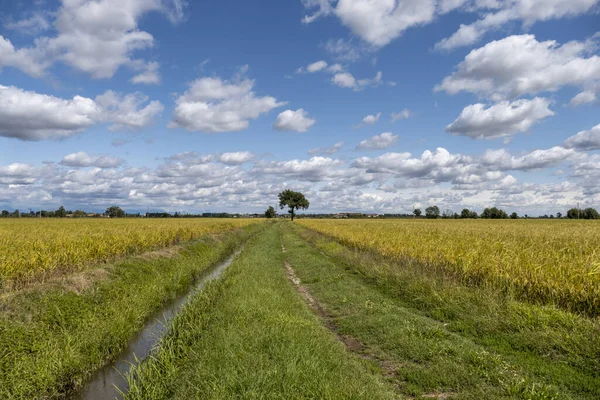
106, 383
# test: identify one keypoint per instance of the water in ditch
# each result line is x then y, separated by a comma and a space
107, 383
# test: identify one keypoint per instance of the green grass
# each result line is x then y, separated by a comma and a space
250, 335
439, 336
54, 335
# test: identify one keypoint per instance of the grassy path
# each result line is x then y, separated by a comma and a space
250, 335
438, 339
53, 336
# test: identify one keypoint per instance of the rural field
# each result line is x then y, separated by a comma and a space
333, 309
547, 262
31, 249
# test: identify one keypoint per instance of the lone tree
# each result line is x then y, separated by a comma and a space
294, 200
115, 212
270, 213
417, 212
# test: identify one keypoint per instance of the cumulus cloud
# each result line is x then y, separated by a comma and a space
96, 38
128, 111
316, 66
376, 22
503, 119
215, 105
387, 183
543, 158
347, 80
528, 12
379, 142
518, 65
585, 140
315, 169
27, 60
82, 160
327, 150
439, 166
32, 116
370, 120
236, 158
404, 114
296, 121
148, 75
319, 66
344, 79
585, 97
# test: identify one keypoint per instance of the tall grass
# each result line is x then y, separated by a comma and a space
543, 261
30, 248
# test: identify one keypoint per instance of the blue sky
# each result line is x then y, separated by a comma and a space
364, 105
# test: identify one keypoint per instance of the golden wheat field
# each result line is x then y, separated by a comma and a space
547, 261
31, 247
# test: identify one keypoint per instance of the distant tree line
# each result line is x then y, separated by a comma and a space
433, 212
62, 212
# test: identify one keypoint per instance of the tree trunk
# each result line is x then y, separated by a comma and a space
292, 214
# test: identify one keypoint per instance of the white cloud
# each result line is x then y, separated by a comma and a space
126, 112
344, 79
319, 66
315, 169
327, 150
379, 142
585, 97
26, 60
503, 119
439, 166
95, 37
316, 66
528, 12
236, 158
296, 121
388, 183
347, 80
345, 50
545, 158
32, 116
404, 114
377, 22
82, 160
33, 24
585, 140
335, 68
519, 65
216, 105
370, 119
149, 74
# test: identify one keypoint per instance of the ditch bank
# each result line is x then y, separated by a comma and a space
110, 382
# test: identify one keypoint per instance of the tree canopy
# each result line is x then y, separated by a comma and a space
494, 213
270, 213
293, 200
432, 212
588, 213
115, 212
